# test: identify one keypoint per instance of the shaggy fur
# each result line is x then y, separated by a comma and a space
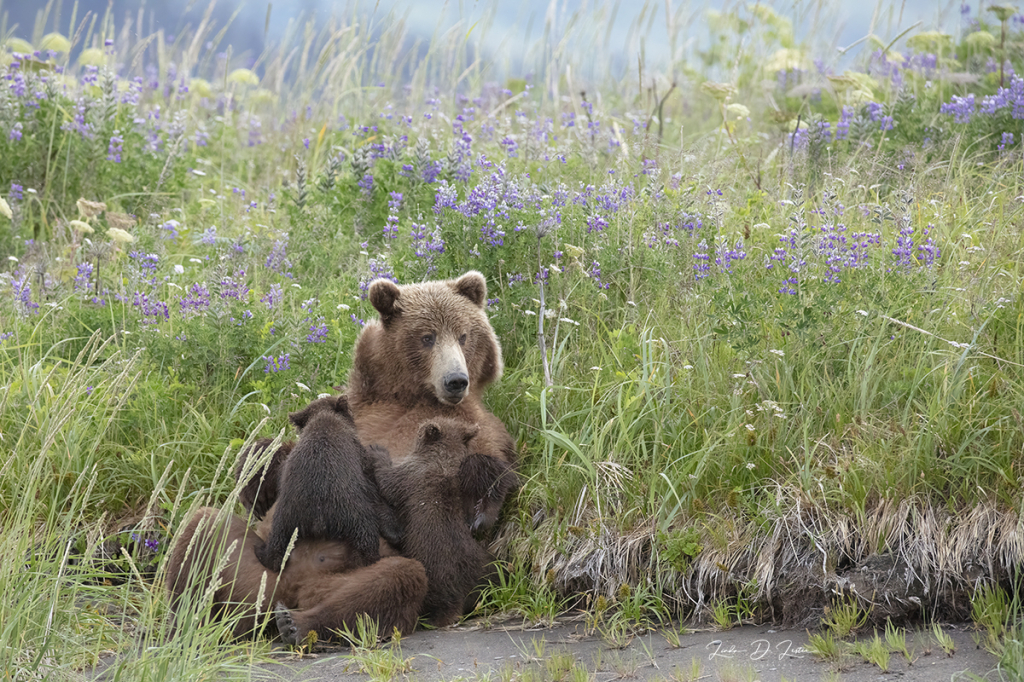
431, 354
427, 492
325, 491
322, 583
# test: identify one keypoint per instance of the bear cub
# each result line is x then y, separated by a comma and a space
429, 497
328, 488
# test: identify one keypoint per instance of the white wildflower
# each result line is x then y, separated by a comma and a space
179, 269
120, 236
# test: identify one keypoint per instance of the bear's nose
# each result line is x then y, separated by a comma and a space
456, 383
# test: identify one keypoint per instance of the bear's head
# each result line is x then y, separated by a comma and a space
338, 404
437, 335
443, 436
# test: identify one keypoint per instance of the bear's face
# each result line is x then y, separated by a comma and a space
439, 332
445, 438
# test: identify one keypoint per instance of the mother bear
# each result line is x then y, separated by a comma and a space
431, 354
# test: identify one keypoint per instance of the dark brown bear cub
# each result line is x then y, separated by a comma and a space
327, 488
428, 495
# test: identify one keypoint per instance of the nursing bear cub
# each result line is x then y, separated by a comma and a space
327, 488
427, 492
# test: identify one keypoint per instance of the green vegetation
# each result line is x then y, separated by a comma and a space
762, 319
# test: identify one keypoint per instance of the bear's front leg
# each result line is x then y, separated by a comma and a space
485, 481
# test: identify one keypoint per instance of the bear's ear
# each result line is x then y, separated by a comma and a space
341, 405
383, 295
301, 418
473, 286
430, 433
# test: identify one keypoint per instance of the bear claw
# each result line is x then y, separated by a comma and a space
286, 624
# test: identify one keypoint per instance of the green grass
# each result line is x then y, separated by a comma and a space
691, 445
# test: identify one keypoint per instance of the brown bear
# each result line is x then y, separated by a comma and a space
427, 494
327, 488
322, 588
431, 354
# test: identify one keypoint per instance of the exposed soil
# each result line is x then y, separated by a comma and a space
472, 651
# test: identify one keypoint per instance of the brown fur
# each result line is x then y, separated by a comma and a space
428, 332
426, 491
321, 581
327, 488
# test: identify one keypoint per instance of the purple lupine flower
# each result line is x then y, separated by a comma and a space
904, 250
278, 364
170, 229
960, 108
702, 268
15, 134
278, 259
235, 287
789, 286
378, 270
514, 278
596, 223
595, 274
209, 235
928, 252
317, 331
843, 127
365, 185
23, 302
146, 264
1011, 97
1007, 141
78, 124
726, 256
151, 308
446, 196
196, 301
427, 245
273, 297
511, 147
83, 277
16, 192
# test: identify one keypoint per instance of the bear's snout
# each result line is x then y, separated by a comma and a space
455, 385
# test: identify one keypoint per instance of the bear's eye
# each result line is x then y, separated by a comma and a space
428, 340
462, 340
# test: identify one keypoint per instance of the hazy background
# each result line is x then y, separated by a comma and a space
502, 30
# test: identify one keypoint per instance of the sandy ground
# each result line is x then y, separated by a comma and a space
501, 653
